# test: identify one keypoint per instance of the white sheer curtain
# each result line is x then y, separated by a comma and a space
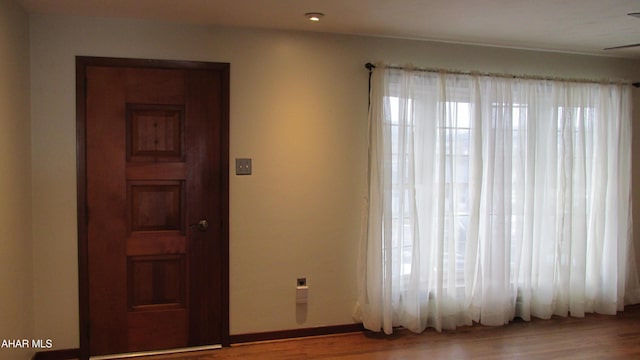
491, 198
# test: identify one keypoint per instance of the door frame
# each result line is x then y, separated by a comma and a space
82, 62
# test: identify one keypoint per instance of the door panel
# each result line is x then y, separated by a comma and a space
155, 132
155, 151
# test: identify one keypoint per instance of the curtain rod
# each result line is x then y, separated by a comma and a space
371, 66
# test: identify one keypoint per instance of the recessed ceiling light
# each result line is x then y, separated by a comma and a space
314, 16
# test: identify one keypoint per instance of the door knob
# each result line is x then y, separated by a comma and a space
202, 225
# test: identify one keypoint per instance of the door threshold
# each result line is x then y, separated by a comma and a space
155, 352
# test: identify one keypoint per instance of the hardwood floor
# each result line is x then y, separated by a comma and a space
592, 337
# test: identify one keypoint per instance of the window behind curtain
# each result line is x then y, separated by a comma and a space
492, 198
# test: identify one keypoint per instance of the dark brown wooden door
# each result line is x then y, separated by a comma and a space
155, 138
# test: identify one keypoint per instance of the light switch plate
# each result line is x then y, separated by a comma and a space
243, 166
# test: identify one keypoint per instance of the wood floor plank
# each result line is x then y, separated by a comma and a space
593, 337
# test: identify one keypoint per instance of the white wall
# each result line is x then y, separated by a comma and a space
16, 312
298, 108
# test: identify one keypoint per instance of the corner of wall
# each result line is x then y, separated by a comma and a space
16, 257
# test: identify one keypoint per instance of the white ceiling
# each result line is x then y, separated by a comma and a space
581, 26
